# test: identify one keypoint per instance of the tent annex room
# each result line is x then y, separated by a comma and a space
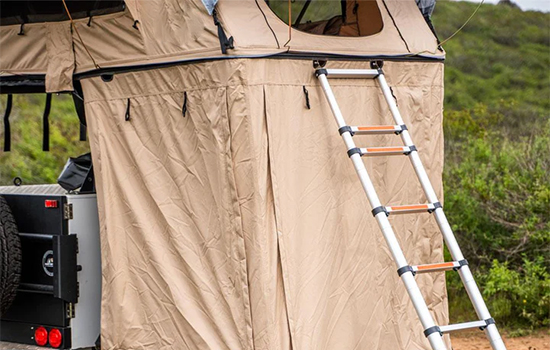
231, 217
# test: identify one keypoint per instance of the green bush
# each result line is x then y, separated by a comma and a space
26, 159
497, 164
519, 296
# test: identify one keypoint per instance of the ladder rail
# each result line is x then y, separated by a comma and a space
432, 331
456, 253
426, 319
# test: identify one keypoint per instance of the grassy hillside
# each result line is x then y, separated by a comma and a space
497, 145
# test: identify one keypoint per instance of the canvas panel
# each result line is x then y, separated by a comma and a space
23, 54
242, 224
59, 76
234, 13
174, 273
341, 285
169, 31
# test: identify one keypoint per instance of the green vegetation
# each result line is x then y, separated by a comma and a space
497, 170
26, 159
497, 143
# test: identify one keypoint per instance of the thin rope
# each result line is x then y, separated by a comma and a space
78, 34
465, 23
452, 35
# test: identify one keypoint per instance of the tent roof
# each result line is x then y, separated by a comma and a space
147, 33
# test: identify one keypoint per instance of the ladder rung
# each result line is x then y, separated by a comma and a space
350, 73
412, 208
386, 151
446, 266
461, 326
374, 130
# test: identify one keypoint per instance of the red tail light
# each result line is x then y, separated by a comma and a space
55, 338
41, 336
50, 203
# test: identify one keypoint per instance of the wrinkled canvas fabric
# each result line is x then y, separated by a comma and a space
152, 32
242, 224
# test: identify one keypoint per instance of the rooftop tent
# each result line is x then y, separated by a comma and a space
230, 215
33, 33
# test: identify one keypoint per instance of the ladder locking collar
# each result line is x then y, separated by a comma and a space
379, 209
346, 128
321, 71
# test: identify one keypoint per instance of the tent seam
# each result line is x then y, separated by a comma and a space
396, 27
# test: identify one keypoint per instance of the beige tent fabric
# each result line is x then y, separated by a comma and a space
61, 65
241, 224
175, 30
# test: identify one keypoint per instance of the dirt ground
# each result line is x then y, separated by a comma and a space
477, 341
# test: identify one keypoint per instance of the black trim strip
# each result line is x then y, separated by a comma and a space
281, 55
268, 25
35, 83
395, 25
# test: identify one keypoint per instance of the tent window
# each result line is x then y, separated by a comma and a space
331, 17
28, 11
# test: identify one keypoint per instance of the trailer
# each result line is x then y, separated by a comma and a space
58, 298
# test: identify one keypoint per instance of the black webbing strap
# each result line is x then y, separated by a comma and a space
127, 115
78, 99
404, 269
225, 43
379, 209
46, 124
431, 330
306, 93
353, 151
7, 129
82, 135
184, 105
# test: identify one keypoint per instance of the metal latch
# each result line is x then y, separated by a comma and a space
70, 310
68, 211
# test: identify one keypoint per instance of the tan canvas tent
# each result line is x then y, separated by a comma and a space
230, 216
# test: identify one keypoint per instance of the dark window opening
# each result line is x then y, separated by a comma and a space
330, 17
25, 11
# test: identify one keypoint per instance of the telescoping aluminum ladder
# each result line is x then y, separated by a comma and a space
433, 332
